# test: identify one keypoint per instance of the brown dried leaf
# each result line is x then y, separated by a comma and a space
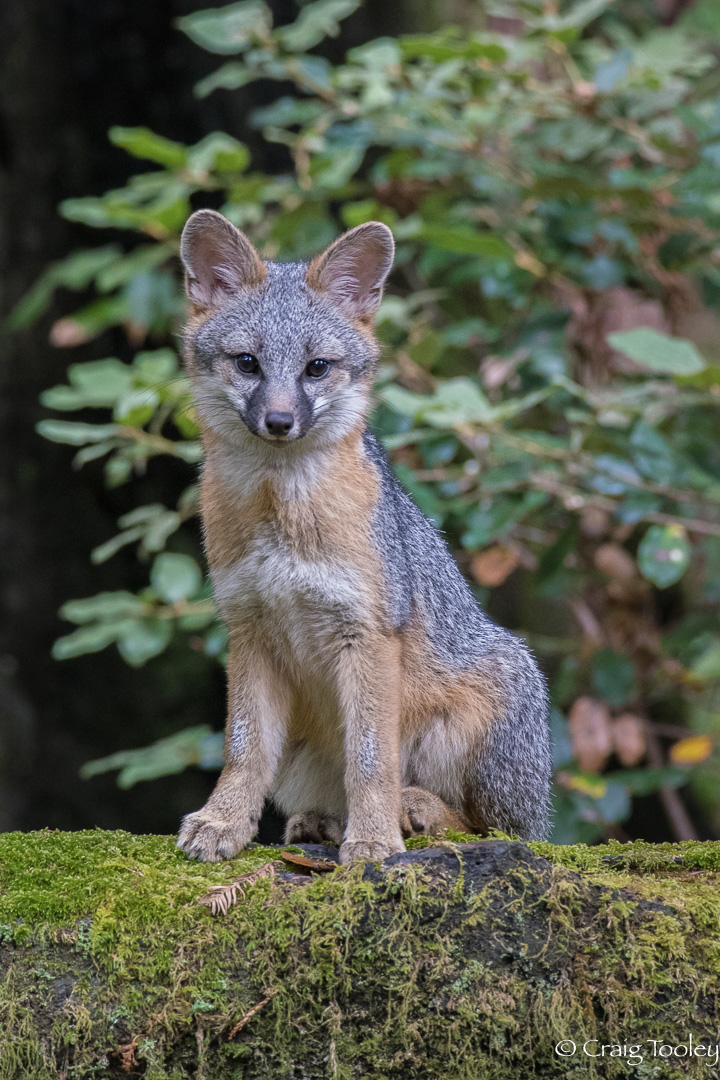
320, 866
584, 90
412, 376
590, 733
403, 193
628, 733
67, 333
221, 897
616, 562
594, 522
494, 565
127, 1054
496, 370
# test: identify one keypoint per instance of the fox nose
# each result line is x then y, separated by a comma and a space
279, 423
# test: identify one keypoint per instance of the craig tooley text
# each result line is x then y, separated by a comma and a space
636, 1053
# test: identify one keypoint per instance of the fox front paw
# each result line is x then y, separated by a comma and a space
370, 850
213, 839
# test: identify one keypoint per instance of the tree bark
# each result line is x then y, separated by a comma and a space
468, 960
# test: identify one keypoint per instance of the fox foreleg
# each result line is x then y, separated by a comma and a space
369, 694
254, 737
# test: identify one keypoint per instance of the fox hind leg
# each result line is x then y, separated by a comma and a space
309, 790
314, 827
489, 759
425, 814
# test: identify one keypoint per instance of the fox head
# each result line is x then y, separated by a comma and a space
282, 352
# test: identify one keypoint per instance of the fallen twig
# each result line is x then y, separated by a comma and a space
221, 897
249, 1015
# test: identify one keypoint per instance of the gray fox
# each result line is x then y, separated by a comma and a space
368, 693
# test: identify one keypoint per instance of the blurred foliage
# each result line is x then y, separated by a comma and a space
551, 374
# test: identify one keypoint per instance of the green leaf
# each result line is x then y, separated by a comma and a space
157, 366
88, 639
197, 620
439, 50
573, 19
216, 640
105, 551
136, 408
101, 382
315, 22
456, 401
143, 258
141, 515
141, 142
175, 577
62, 398
466, 242
614, 805
142, 639
334, 169
707, 666
229, 29
191, 452
421, 493
496, 518
664, 554
230, 76
703, 19
646, 781
200, 746
152, 300
220, 152
185, 421
162, 527
87, 323
104, 606
658, 352
613, 677
75, 434
92, 452
558, 187
552, 560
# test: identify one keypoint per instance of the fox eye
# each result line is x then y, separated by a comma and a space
246, 364
316, 369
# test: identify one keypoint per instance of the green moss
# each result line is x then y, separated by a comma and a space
638, 856
431, 969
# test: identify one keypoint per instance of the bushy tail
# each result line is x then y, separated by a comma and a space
511, 781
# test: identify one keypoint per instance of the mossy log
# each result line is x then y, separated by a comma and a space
458, 960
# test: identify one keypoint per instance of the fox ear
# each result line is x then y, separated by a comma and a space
218, 259
352, 271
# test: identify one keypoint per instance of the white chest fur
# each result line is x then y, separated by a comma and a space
302, 605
